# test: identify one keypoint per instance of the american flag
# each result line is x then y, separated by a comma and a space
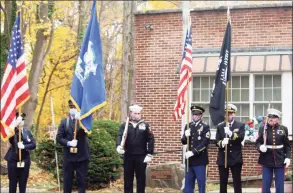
14, 87
185, 75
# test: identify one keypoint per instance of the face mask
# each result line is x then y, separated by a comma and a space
72, 111
196, 118
273, 122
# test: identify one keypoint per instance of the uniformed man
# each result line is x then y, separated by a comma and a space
19, 174
232, 136
199, 138
139, 147
275, 154
73, 161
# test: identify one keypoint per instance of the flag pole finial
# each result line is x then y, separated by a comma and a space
228, 15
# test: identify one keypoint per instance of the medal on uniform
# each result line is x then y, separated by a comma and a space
142, 126
199, 138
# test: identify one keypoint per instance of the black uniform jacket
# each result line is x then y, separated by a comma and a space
234, 154
66, 134
198, 143
275, 136
140, 139
28, 142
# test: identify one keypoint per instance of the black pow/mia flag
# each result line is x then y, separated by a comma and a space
217, 102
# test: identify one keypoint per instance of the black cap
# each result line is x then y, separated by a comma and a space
197, 110
70, 104
23, 115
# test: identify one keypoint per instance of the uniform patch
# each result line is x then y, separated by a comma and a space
142, 126
208, 134
280, 132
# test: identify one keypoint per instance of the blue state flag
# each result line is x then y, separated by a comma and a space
88, 84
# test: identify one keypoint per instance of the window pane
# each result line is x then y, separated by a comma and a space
258, 110
258, 81
236, 82
245, 110
258, 95
206, 108
267, 94
244, 94
243, 119
277, 80
277, 94
236, 95
205, 95
195, 95
196, 82
268, 81
277, 106
244, 81
204, 82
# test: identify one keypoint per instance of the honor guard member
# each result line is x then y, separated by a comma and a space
72, 161
199, 138
138, 150
275, 154
232, 136
19, 174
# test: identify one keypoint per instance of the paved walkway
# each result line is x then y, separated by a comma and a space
244, 190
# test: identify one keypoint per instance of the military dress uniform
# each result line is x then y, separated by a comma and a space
234, 152
198, 143
139, 143
16, 174
275, 155
73, 161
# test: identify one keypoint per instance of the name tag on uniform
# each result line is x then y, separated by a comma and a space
142, 126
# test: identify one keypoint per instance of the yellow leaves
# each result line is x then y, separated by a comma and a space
60, 61
157, 5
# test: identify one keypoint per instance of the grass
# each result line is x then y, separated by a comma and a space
42, 180
38, 178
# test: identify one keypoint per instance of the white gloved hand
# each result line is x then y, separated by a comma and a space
72, 143
287, 162
187, 132
21, 146
148, 158
228, 131
120, 149
77, 115
225, 142
263, 148
188, 154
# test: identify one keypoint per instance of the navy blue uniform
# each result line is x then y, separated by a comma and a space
199, 140
15, 174
139, 142
278, 148
74, 161
234, 155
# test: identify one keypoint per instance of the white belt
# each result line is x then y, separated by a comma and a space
274, 146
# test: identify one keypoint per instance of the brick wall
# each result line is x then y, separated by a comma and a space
158, 53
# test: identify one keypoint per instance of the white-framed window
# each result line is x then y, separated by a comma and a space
267, 88
251, 93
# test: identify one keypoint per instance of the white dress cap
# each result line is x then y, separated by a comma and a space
274, 112
135, 108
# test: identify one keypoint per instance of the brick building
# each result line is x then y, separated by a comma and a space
261, 69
